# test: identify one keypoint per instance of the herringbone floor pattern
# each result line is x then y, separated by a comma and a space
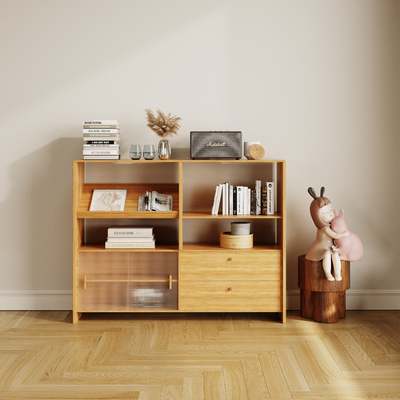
198, 356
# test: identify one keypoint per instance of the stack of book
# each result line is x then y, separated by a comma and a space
101, 140
130, 237
241, 200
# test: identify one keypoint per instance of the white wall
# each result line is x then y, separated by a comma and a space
317, 82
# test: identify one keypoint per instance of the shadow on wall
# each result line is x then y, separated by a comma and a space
40, 233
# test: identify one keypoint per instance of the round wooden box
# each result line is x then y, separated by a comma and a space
229, 241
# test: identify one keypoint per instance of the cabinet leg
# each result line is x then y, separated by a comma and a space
306, 304
326, 307
75, 317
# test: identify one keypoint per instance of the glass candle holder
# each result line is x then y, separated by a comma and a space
135, 152
148, 151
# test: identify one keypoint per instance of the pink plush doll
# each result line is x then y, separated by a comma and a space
323, 248
350, 248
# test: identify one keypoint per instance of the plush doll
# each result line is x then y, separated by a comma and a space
350, 248
323, 248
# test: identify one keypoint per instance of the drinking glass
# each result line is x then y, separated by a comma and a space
148, 151
135, 152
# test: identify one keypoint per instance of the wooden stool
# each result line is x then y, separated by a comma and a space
320, 299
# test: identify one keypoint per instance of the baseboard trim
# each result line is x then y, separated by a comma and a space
356, 299
62, 299
36, 300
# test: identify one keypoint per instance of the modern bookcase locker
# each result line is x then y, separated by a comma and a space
188, 269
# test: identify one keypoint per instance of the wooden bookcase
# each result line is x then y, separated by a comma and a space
188, 269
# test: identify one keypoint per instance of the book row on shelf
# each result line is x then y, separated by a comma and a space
101, 140
130, 237
242, 200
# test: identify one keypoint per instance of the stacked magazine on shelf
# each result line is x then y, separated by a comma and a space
130, 237
101, 140
154, 201
242, 200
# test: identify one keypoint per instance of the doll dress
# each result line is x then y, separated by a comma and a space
322, 246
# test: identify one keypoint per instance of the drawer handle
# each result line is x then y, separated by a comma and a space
84, 282
230, 289
230, 259
170, 282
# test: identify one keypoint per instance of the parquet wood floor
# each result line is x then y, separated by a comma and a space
198, 356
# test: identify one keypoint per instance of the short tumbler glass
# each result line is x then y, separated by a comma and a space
135, 152
148, 151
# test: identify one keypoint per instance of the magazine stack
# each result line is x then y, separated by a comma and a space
154, 201
101, 140
130, 237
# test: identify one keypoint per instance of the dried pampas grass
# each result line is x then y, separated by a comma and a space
164, 125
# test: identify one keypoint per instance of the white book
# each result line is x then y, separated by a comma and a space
270, 198
131, 239
101, 122
108, 200
101, 136
248, 201
230, 199
258, 197
227, 198
239, 200
121, 245
245, 200
101, 157
223, 198
100, 152
130, 231
100, 126
217, 208
101, 146
217, 200
100, 130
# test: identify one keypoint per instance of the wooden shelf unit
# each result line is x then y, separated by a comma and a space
186, 275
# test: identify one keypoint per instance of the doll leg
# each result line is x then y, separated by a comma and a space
337, 266
327, 265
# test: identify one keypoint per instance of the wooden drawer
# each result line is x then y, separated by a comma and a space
233, 265
230, 296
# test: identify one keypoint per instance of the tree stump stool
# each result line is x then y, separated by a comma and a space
320, 299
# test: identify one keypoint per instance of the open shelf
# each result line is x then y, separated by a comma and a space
100, 247
217, 247
134, 190
207, 214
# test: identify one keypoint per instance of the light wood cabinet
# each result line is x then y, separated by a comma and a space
188, 271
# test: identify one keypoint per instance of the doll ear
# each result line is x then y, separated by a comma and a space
335, 213
312, 193
322, 191
341, 212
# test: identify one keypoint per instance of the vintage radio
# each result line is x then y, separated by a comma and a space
216, 144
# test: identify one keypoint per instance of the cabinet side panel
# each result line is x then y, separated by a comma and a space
281, 178
78, 170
